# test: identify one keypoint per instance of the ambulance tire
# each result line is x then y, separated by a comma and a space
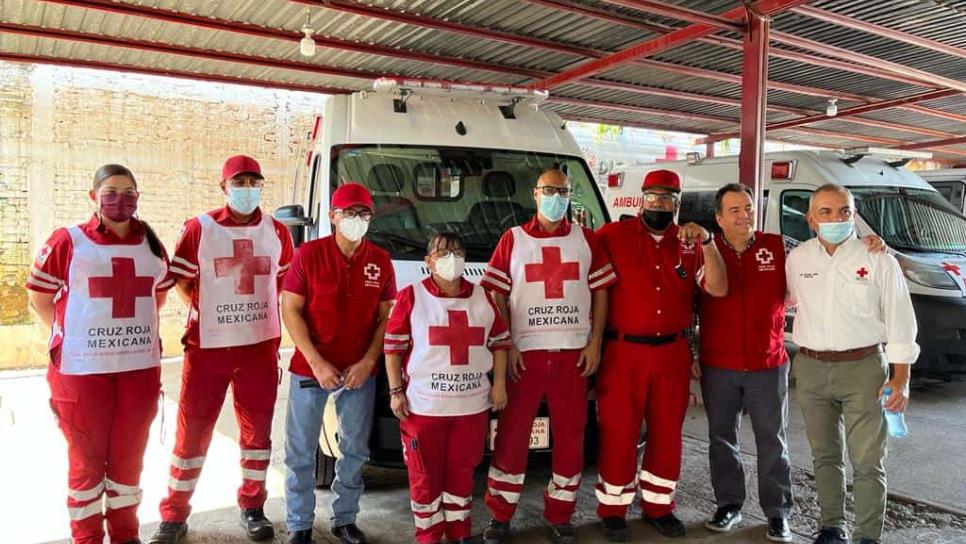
324, 470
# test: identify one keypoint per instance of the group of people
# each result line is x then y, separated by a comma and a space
557, 304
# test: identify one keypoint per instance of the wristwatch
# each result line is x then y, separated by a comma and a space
709, 240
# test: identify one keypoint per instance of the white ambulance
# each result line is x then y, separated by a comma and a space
951, 183
436, 157
922, 229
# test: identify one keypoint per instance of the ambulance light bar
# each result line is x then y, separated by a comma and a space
448, 88
615, 180
886, 153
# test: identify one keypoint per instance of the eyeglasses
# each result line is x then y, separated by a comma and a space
550, 190
660, 197
443, 253
365, 215
253, 183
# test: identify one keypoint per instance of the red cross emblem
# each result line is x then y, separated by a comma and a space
123, 287
552, 272
952, 268
862, 272
243, 266
458, 336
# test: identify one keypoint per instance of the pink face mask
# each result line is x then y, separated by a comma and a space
119, 206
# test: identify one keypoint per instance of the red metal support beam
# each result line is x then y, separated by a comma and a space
682, 14
754, 105
661, 43
195, 76
109, 6
959, 140
857, 110
879, 30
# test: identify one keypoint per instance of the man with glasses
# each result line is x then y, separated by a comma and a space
645, 375
228, 264
549, 279
335, 304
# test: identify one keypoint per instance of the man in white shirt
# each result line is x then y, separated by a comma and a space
854, 318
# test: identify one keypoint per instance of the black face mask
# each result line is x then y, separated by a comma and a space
657, 219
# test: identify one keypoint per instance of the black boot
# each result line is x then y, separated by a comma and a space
256, 524
668, 525
169, 532
300, 537
349, 534
614, 529
496, 532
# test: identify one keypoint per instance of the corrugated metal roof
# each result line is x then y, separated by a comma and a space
256, 40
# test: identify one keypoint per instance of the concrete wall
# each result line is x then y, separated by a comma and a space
58, 125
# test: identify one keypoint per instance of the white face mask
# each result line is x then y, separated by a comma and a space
450, 267
353, 228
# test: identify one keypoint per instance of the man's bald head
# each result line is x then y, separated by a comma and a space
830, 203
830, 191
553, 177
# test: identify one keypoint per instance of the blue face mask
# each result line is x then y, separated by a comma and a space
244, 200
835, 233
554, 207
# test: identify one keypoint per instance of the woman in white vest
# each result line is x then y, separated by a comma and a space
99, 286
444, 336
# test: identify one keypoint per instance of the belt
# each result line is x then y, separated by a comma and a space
611, 334
841, 356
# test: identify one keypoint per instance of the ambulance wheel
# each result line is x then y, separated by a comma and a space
324, 470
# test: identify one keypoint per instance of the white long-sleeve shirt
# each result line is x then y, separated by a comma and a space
850, 300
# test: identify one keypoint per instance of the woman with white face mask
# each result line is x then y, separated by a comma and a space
444, 335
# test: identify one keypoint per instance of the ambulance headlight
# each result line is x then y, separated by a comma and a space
925, 273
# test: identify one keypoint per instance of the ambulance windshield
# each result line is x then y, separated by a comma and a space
912, 219
479, 193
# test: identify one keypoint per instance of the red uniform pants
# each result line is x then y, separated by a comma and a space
552, 375
441, 453
105, 419
252, 372
641, 383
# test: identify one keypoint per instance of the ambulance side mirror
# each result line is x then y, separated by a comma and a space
293, 217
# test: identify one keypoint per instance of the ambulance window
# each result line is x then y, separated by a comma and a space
794, 210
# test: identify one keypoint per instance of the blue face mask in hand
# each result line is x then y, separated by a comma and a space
835, 233
244, 200
554, 207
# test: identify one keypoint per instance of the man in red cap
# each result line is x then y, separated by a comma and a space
228, 265
645, 373
335, 305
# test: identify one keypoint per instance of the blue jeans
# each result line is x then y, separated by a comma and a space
302, 427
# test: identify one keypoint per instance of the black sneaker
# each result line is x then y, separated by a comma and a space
300, 537
668, 525
256, 524
563, 534
724, 519
614, 529
169, 532
496, 532
778, 530
831, 535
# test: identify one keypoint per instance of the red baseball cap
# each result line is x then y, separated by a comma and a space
240, 164
351, 194
662, 178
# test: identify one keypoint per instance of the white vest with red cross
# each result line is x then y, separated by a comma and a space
550, 295
111, 317
237, 283
448, 365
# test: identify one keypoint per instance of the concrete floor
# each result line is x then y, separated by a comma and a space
928, 465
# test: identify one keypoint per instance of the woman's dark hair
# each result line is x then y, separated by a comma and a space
444, 240
109, 170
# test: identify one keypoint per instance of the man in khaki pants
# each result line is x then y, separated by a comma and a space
850, 303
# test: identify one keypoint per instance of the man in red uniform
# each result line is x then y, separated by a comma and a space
549, 279
335, 304
645, 375
228, 265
